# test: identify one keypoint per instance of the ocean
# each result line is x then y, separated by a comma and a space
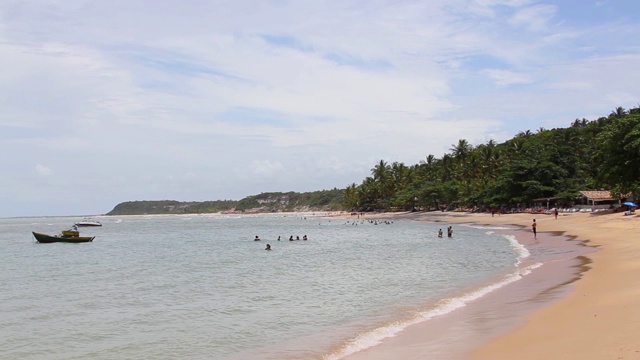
200, 287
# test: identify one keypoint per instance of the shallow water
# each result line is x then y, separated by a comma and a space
199, 287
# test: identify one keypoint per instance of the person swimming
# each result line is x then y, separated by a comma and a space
304, 237
257, 238
440, 233
268, 247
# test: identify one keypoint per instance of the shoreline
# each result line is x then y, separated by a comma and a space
521, 320
599, 318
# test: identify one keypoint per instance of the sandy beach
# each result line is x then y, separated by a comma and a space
547, 314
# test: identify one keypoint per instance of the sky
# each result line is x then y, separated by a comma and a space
103, 102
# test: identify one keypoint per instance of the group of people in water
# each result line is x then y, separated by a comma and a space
297, 238
304, 237
373, 222
449, 232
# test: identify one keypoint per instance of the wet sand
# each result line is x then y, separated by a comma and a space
547, 314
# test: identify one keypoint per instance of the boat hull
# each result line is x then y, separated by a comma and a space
46, 239
88, 223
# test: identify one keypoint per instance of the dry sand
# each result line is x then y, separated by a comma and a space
597, 317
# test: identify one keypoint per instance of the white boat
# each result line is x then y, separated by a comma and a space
88, 222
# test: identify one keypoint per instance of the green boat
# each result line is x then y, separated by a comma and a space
67, 236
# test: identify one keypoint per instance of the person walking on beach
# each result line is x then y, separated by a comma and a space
555, 213
533, 227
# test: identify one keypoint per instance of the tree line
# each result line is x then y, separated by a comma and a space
588, 155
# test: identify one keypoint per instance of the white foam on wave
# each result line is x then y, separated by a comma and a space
520, 249
445, 306
487, 227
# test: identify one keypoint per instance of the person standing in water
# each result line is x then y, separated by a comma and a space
534, 228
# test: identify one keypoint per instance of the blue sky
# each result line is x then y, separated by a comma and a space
109, 101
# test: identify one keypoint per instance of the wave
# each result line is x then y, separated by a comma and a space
520, 249
376, 336
481, 227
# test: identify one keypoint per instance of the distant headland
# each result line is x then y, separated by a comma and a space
324, 200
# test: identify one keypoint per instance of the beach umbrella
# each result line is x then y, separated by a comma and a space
632, 204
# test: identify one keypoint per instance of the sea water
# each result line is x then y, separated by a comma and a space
200, 287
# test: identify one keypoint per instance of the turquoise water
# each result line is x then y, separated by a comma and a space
199, 287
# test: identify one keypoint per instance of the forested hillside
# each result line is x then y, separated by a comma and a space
324, 200
600, 154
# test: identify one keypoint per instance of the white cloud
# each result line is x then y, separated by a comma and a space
43, 171
572, 85
535, 18
506, 77
204, 101
264, 167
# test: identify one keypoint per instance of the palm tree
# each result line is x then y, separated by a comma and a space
486, 155
430, 159
446, 167
461, 150
462, 156
350, 198
382, 176
579, 123
515, 148
369, 193
525, 134
618, 112
401, 175
380, 172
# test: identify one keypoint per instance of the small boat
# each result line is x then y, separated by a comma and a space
88, 222
68, 236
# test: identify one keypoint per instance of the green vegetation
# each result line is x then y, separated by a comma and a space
324, 200
171, 207
604, 153
292, 201
588, 155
